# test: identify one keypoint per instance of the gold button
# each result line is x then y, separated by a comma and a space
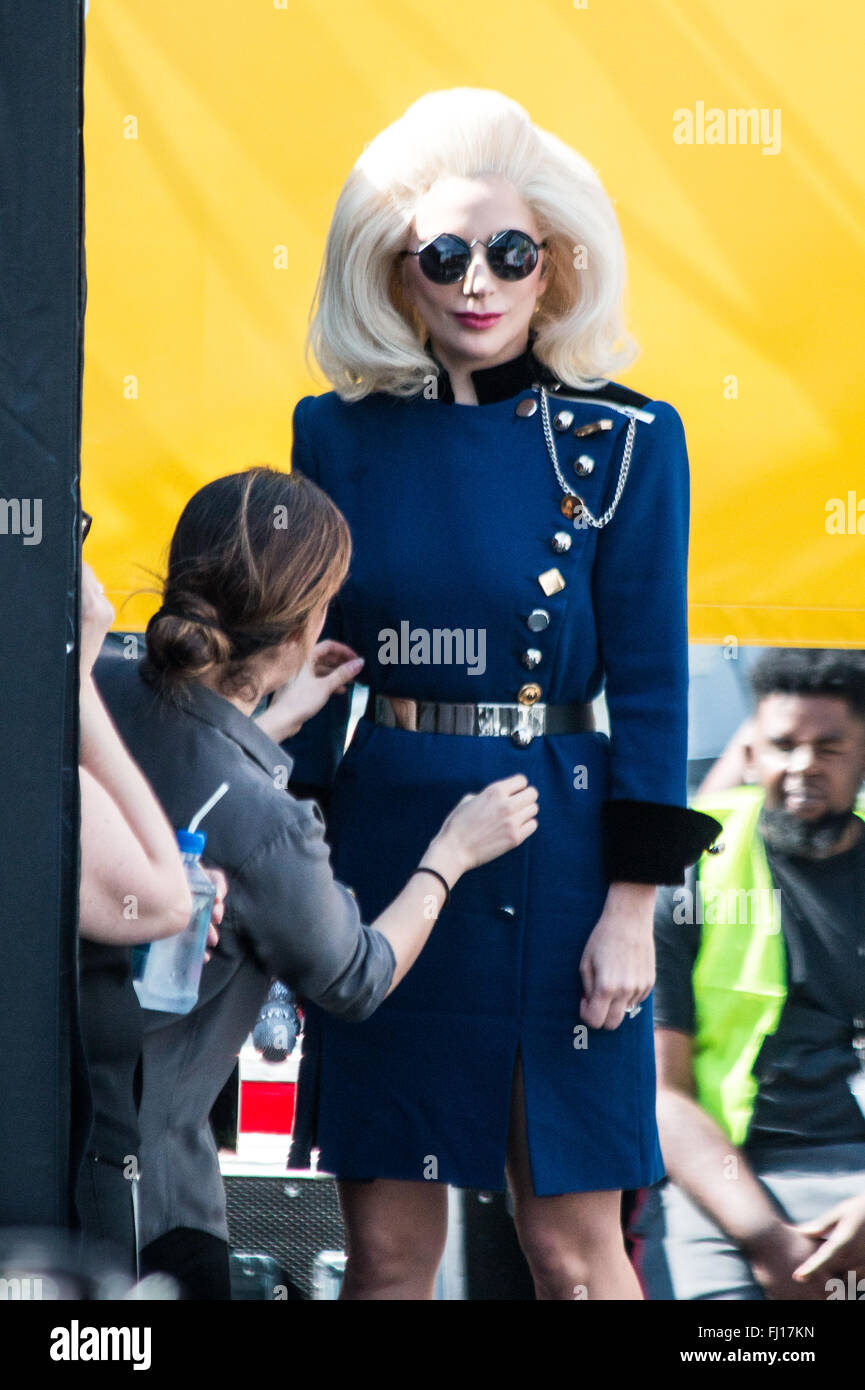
593, 427
529, 694
571, 505
551, 581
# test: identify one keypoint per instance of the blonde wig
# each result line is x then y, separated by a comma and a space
363, 333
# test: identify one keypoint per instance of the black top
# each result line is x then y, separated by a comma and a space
803, 1096
270, 845
286, 917
111, 1034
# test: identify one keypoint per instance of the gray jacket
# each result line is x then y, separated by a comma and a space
286, 917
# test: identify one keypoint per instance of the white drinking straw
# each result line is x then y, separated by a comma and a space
208, 806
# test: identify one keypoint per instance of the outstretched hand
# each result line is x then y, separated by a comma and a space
330, 668
490, 822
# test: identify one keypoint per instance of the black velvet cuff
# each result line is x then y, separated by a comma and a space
650, 842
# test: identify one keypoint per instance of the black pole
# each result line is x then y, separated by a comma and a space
42, 292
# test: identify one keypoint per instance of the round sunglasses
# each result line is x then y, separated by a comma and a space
511, 255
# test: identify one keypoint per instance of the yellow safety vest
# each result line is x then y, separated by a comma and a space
740, 974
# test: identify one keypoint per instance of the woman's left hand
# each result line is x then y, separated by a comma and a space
330, 668
618, 963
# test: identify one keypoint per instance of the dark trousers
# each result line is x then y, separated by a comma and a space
106, 1213
196, 1259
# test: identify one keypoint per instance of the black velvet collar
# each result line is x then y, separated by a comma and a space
497, 383
508, 379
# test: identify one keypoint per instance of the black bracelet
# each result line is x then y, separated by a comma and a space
424, 869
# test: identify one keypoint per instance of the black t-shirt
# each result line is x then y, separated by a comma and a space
802, 1068
111, 1026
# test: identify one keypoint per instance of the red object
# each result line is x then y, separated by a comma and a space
478, 320
266, 1107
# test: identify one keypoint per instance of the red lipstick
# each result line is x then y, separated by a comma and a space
478, 320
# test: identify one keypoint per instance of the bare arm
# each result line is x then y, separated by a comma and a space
307, 927
479, 829
125, 895
133, 887
731, 767
709, 1167
331, 668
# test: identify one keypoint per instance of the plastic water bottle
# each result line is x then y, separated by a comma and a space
167, 973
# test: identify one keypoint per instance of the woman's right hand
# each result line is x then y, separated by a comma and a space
488, 823
479, 828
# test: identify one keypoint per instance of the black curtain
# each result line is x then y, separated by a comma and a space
43, 1107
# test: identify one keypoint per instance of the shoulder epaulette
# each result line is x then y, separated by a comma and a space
610, 391
622, 395
610, 394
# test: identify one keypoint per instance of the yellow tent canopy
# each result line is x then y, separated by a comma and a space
729, 135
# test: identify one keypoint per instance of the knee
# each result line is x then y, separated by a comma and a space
561, 1262
550, 1257
382, 1257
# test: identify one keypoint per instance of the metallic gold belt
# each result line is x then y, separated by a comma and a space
520, 723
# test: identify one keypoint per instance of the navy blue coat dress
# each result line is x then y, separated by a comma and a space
452, 510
